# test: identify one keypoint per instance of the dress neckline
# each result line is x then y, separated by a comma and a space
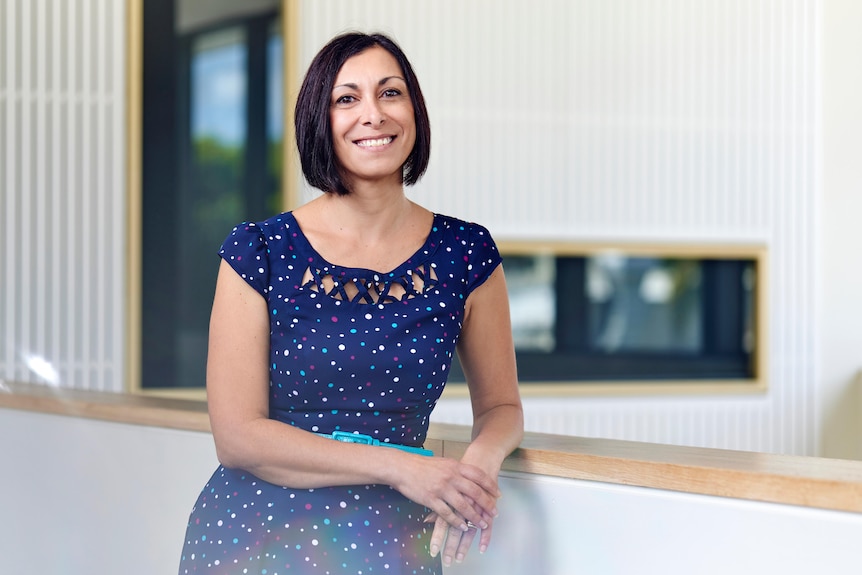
421, 255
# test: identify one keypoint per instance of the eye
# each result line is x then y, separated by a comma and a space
344, 100
391, 93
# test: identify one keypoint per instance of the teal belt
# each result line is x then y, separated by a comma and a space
368, 440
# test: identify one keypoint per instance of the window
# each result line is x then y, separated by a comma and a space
212, 135
618, 316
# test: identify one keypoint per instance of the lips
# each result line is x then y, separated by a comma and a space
375, 142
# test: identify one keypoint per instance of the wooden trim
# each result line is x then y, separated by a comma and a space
290, 31
135, 409
134, 201
791, 480
458, 390
686, 249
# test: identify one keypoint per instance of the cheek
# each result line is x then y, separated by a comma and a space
338, 124
408, 121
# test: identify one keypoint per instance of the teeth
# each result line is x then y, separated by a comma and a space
374, 143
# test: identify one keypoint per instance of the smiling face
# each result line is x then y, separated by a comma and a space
372, 120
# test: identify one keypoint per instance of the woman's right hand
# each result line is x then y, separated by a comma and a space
456, 492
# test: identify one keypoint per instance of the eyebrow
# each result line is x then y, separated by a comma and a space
382, 81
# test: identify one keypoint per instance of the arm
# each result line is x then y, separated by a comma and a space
487, 355
245, 436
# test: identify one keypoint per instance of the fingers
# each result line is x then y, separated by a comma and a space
465, 509
453, 542
486, 517
482, 479
485, 539
475, 498
465, 540
438, 536
462, 500
456, 493
446, 512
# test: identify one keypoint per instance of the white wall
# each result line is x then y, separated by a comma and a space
661, 121
62, 192
563, 527
840, 262
84, 496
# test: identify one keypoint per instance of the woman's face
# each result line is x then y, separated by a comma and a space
373, 126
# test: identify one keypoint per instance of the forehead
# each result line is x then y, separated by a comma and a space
371, 64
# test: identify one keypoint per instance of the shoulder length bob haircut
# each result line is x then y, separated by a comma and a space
314, 131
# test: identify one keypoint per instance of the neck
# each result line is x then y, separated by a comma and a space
368, 214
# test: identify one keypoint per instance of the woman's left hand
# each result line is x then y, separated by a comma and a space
487, 355
451, 540
454, 543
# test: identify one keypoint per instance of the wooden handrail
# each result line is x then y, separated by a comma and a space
793, 480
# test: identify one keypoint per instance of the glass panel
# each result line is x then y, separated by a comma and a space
218, 134
213, 162
644, 304
213, 200
275, 116
530, 280
618, 317
218, 90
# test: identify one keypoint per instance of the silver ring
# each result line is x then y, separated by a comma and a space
471, 525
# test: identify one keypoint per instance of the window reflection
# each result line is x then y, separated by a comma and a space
218, 87
644, 304
275, 116
212, 196
613, 316
530, 281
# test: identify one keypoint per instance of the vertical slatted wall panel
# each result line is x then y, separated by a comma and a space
62, 104
665, 120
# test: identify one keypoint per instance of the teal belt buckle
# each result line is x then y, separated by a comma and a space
363, 439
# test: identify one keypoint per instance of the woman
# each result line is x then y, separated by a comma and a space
339, 320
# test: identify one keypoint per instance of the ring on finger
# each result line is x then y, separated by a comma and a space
471, 525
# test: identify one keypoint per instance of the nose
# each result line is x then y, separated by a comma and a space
373, 114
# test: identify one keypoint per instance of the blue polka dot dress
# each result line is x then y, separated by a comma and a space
351, 350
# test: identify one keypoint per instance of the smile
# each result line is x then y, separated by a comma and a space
375, 142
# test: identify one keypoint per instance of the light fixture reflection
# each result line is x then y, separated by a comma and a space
42, 368
657, 286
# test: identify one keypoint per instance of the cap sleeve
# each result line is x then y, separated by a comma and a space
246, 251
482, 256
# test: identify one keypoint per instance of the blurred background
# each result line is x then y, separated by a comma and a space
674, 185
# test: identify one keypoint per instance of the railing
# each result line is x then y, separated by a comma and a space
570, 505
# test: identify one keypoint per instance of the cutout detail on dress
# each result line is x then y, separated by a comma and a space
374, 289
